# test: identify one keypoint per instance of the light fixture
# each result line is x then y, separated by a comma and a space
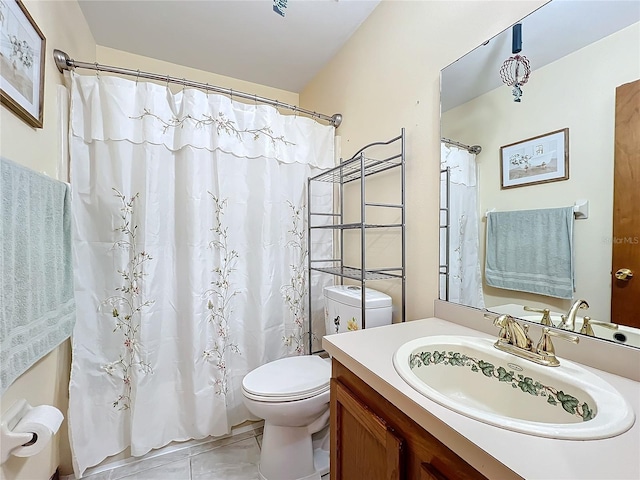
279, 6
515, 70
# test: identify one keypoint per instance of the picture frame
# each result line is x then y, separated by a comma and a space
536, 160
22, 60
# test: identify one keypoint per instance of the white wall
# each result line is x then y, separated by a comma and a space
552, 101
65, 28
386, 77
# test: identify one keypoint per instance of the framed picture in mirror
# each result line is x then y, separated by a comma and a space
536, 160
22, 51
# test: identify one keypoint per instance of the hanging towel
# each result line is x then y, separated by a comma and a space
38, 308
531, 251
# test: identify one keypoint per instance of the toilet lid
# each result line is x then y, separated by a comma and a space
287, 379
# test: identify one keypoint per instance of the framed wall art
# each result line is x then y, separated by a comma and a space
22, 52
536, 160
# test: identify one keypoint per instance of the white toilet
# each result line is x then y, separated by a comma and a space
292, 394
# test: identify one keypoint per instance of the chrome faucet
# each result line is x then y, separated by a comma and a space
569, 322
514, 338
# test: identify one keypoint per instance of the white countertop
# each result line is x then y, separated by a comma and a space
368, 353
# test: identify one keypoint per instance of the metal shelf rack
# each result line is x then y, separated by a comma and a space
357, 169
445, 233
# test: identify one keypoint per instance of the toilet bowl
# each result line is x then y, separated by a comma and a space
292, 394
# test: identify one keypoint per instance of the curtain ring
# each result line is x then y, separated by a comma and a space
207, 89
255, 99
97, 70
167, 85
184, 84
231, 94
138, 77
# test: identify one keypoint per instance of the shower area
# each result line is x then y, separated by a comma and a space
189, 253
460, 277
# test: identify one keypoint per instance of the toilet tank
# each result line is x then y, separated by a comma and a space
343, 305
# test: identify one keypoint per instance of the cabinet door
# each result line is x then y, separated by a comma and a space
429, 472
363, 446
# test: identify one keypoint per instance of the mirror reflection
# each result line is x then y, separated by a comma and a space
507, 185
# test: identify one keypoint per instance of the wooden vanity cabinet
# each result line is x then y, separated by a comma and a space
371, 439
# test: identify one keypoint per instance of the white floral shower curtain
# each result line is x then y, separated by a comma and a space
465, 277
189, 256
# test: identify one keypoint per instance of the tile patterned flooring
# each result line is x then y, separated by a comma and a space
232, 458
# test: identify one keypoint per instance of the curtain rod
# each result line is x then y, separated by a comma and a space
64, 62
472, 149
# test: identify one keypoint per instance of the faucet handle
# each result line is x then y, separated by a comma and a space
500, 321
545, 346
546, 317
587, 322
512, 332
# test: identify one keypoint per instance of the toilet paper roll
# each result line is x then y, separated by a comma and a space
43, 421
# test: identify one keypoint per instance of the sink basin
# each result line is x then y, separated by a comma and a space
470, 376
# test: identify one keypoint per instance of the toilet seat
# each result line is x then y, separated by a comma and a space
288, 379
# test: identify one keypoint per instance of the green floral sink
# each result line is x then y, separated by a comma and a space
468, 375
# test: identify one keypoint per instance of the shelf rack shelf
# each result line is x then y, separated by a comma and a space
357, 273
348, 226
357, 169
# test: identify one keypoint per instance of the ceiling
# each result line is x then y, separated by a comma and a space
553, 31
244, 39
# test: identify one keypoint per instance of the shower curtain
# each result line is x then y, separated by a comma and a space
465, 278
189, 258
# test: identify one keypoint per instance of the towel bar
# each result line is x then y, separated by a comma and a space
580, 209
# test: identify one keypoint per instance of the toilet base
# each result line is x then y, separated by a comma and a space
304, 456
320, 462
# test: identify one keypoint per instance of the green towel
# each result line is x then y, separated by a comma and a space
531, 251
38, 307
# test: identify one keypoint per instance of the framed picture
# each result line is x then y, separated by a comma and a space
540, 159
22, 51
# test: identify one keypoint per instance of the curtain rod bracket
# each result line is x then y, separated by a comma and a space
63, 62
475, 149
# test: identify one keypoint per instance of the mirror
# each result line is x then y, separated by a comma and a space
579, 53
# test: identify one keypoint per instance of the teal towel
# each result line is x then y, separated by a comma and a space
531, 251
38, 307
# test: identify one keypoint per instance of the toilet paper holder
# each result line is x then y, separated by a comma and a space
9, 439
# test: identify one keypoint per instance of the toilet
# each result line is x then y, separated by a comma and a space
292, 394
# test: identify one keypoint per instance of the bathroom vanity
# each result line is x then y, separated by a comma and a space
373, 439
383, 428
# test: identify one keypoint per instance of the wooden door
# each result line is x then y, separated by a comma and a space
363, 446
625, 294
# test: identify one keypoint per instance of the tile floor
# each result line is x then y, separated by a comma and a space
232, 458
